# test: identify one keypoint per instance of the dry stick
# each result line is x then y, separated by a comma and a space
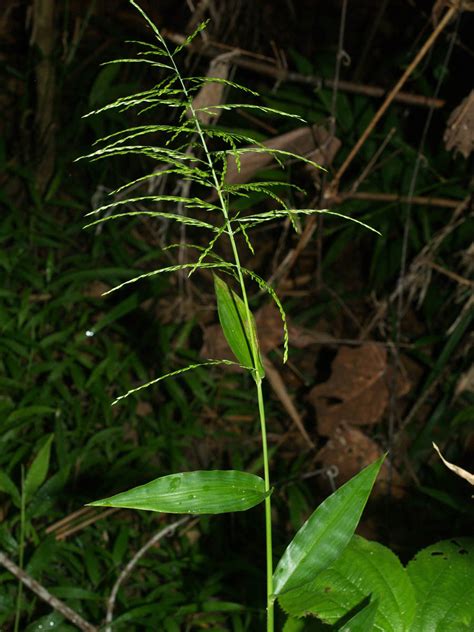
45, 595
66, 532
452, 275
169, 530
57, 526
80, 520
393, 93
311, 80
393, 197
404, 253
332, 133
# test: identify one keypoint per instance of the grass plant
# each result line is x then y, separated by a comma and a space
188, 154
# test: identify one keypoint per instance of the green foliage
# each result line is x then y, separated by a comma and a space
66, 353
324, 536
239, 333
430, 593
205, 492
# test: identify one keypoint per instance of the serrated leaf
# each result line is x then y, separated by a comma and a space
294, 624
362, 621
323, 537
365, 568
241, 336
442, 576
38, 470
200, 492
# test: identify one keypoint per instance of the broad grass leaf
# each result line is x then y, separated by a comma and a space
365, 569
241, 337
7, 486
200, 492
38, 471
326, 533
443, 576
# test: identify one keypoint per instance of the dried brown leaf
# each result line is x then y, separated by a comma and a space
357, 392
350, 450
467, 476
459, 134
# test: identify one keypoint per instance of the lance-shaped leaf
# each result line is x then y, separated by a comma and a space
326, 533
200, 492
239, 333
38, 471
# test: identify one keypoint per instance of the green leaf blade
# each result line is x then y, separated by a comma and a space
199, 492
38, 470
241, 337
326, 533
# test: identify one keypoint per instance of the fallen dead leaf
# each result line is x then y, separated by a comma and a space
350, 450
459, 134
357, 392
467, 476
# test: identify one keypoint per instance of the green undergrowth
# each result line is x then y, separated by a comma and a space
66, 353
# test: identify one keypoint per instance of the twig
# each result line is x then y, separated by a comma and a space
393, 93
393, 197
77, 521
452, 275
281, 74
169, 530
45, 595
332, 133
